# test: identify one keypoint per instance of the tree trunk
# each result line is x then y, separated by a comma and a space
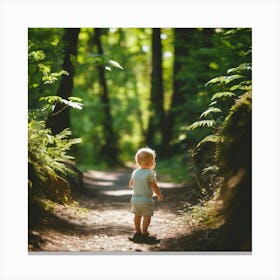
155, 131
110, 148
182, 37
59, 121
185, 86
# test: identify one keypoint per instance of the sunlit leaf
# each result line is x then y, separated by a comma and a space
50, 98
115, 64
75, 99
72, 104
210, 110
240, 68
210, 138
208, 123
222, 94
224, 79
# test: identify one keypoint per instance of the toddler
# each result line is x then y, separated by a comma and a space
143, 181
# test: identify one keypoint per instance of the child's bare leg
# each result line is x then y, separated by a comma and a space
146, 223
137, 222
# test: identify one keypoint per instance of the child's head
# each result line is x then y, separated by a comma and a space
145, 157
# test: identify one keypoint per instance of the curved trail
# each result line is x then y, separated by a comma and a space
103, 221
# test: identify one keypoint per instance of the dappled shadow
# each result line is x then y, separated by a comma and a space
197, 240
111, 190
78, 226
102, 220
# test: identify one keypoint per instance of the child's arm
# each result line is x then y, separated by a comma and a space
156, 190
131, 183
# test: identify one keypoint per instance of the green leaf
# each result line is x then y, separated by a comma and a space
210, 138
223, 79
72, 104
241, 87
240, 68
213, 103
50, 99
208, 123
210, 110
222, 94
115, 64
75, 99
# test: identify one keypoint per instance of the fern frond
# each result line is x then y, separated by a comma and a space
223, 79
246, 85
213, 103
210, 138
240, 68
222, 94
208, 123
210, 110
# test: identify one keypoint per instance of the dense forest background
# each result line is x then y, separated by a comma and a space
96, 95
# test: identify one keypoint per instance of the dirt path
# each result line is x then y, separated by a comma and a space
103, 221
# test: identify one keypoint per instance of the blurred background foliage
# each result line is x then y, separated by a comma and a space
190, 58
167, 88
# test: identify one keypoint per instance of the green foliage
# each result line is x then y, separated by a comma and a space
208, 123
210, 110
210, 138
225, 99
218, 95
224, 80
49, 162
48, 159
206, 56
173, 170
104, 60
208, 151
234, 152
52, 101
45, 58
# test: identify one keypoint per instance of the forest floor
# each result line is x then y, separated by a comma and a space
101, 221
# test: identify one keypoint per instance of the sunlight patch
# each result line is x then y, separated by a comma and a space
118, 192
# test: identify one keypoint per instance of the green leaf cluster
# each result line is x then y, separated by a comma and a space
233, 86
48, 158
50, 165
231, 90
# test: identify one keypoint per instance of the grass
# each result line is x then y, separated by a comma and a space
207, 214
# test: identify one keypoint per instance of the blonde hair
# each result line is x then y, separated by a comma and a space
144, 155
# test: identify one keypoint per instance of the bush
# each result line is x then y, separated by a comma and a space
48, 161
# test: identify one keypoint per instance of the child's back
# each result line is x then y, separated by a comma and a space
142, 182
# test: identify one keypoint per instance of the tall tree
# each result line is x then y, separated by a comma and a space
60, 118
156, 121
193, 53
182, 37
109, 149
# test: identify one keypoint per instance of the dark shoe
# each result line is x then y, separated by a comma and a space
137, 237
148, 239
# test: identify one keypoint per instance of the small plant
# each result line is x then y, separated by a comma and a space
48, 161
232, 86
227, 91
